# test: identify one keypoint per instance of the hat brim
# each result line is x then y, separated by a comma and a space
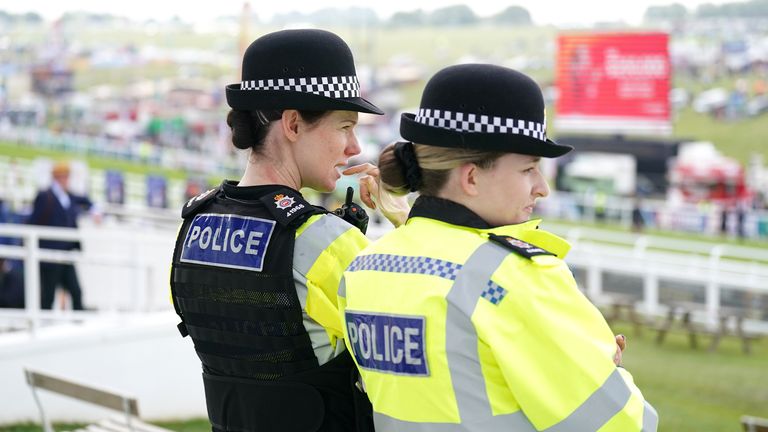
420, 133
280, 99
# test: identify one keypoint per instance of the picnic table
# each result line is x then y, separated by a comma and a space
730, 321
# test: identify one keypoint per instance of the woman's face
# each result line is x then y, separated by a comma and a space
325, 147
509, 189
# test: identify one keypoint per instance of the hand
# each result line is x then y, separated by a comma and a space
621, 344
368, 182
394, 208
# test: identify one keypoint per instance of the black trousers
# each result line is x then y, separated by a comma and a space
64, 275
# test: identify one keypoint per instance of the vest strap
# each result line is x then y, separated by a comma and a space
247, 340
260, 370
241, 312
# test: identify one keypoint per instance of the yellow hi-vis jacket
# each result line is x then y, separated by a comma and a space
455, 331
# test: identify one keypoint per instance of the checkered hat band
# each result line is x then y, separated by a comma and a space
332, 87
463, 122
406, 264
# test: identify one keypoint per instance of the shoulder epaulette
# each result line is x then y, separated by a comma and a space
518, 246
289, 208
191, 207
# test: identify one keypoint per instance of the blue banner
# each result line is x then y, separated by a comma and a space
388, 343
156, 191
227, 240
115, 187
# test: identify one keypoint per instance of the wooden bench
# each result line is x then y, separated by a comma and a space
682, 313
623, 305
128, 422
754, 424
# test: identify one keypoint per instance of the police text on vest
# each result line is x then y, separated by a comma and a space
388, 343
227, 240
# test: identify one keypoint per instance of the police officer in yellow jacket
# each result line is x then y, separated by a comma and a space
467, 318
256, 268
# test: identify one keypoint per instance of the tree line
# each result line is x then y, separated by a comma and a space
677, 11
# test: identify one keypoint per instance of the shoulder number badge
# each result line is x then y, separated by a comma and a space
518, 246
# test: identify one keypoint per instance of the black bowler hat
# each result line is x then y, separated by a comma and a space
484, 107
299, 69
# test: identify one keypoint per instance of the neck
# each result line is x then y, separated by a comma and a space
274, 165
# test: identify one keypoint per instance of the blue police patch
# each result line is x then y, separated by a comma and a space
227, 240
388, 343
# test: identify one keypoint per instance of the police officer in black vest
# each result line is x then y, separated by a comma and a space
256, 268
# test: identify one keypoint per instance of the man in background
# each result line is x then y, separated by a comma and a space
57, 207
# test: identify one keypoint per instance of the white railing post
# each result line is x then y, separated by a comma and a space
712, 299
594, 282
651, 292
32, 279
141, 278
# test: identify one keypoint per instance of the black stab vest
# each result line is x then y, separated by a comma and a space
232, 285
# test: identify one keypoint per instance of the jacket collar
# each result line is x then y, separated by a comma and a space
456, 214
446, 211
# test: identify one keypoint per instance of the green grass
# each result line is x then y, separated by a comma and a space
738, 139
26, 152
695, 390
190, 425
692, 390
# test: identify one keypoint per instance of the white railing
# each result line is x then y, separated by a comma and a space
652, 258
125, 268
121, 270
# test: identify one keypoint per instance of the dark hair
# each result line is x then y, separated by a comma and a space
249, 128
435, 164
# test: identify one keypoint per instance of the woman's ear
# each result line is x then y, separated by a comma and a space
289, 123
468, 178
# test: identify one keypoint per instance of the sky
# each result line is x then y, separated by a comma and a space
542, 11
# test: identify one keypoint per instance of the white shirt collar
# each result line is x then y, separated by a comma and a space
61, 194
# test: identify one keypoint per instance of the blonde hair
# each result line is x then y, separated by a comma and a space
435, 164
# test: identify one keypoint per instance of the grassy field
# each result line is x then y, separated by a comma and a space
692, 390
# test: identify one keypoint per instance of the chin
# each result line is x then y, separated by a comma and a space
325, 188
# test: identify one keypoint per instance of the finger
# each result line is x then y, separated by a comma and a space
365, 192
362, 168
617, 357
621, 341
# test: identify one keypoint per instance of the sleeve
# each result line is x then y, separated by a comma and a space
82, 201
338, 245
38, 209
555, 352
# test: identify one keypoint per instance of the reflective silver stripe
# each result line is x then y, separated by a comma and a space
515, 422
461, 336
599, 408
307, 249
315, 239
461, 342
342, 288
650, 418
475, 412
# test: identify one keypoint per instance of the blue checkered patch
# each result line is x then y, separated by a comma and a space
406, 264
494, 293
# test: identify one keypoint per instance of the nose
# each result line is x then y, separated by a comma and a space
353, 147
541, 188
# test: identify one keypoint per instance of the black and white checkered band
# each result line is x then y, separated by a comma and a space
463, 122
333, 87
